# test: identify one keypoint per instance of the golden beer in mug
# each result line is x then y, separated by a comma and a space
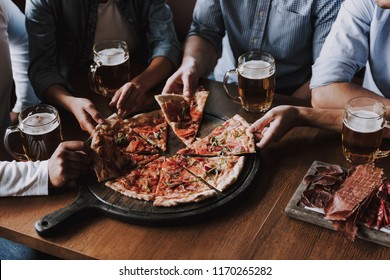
363, 123
256, 81
111, 67
40, 130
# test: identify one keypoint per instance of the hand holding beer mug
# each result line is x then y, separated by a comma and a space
40, 129
363, 123
111, 67
256, 81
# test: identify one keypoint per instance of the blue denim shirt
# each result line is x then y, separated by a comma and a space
360, 37
290, 30
61, 36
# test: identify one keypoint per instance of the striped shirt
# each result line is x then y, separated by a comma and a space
292, 31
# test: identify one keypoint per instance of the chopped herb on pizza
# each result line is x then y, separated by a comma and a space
219, 172
117, 148
178, 186
152, 127
230, 138
183, 114
141, 182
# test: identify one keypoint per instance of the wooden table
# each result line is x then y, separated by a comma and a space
255, 227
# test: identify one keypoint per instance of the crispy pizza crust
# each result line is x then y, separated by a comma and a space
175, 199
231, 176
120, 186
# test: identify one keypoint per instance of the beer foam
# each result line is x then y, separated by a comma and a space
364, 121
112, 56
40, 123
255, 69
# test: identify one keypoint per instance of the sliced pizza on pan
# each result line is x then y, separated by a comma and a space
152, 127
220, 172
230, 138
178, 186
183, 114
141, 182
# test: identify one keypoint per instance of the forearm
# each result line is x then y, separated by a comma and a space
335, 95
158, 70
23, 178
330, 119
199, 54
59, 96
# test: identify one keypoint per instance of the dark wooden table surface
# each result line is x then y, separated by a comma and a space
255, 226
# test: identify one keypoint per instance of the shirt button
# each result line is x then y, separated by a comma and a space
261, 13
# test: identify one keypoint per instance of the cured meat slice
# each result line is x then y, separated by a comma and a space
356, 188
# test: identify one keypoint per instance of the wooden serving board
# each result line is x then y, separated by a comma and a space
95, 195
297, 210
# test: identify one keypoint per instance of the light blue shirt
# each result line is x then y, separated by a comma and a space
292, 31
360, 37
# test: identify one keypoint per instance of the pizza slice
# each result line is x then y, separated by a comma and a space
178, 186
230, 138
183, 114
114, 145
152, 127
141, 182
219, 172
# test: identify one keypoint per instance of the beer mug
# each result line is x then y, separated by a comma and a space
256, 81
111, 67
40, 130
363, 123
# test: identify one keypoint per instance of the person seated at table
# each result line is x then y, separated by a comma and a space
291, 31
359, 38
27, 178
62, 34
69, 161
13, 63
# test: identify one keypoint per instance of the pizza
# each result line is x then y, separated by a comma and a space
117, 148
152, 127
129, 158
178, 186
183, 114
230, 138
141, 182
219, 172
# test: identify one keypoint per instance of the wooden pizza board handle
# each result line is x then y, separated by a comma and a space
51, 223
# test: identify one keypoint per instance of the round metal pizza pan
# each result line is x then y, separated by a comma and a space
93, 194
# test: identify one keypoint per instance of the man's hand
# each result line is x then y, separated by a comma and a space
184, 80
70, 160
128, 98
274, 125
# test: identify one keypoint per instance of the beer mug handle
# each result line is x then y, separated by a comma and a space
225, 80
8, 132
92, 77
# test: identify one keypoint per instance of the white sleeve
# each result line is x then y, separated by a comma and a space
24, 178
18, 45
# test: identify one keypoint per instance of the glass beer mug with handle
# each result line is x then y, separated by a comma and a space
256, 81
363, 123
40, 130
111, 67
